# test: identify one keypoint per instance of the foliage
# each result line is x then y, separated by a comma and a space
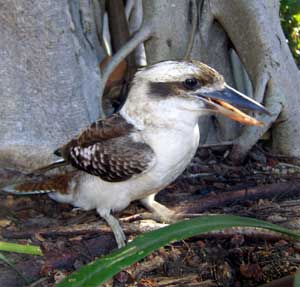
100, 270
297, 279
12, 266
20, 248
290, 20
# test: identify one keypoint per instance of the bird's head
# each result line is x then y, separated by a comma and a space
186, 89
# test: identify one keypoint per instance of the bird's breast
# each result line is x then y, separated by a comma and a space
174, 150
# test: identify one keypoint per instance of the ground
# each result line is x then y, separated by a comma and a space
266, 186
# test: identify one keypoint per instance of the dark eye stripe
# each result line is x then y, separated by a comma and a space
165, 89
160, 89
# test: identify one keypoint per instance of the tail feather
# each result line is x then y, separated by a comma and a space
57, 183
59, 163
27, 188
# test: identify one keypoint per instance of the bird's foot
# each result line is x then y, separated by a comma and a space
161, 213
116, 228
76, 209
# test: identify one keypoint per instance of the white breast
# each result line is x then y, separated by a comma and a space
174, 150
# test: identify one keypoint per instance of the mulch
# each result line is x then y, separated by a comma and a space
265, 186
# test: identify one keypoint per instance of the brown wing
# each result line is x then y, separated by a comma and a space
111, 127
107, 150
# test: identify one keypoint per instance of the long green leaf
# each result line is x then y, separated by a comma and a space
6, 261
20, 248
297, 279
12, 266
101, 270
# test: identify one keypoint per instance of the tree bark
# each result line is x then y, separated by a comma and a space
49, 76
238, 38
255, 31
173, 28
51, 83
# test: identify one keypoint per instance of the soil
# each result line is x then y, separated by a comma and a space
265, 186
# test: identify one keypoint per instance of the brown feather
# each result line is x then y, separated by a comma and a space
106, 149
57, 183
103, 129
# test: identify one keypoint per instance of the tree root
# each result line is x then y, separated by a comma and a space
194, 20
261, 86
134, 229
282, 282
198, 205
142, 35
251, 135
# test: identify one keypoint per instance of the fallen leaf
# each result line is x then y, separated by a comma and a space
4, 223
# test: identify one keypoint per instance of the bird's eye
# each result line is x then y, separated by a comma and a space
191, 83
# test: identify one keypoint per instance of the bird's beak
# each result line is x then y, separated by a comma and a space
228, 101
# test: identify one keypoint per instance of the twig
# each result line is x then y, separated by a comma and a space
190, 45
118, 24
282, 282
142, 35
148, 266
251, 134
142, 226
248, 232
38, 282
286, 189
99, 11
279, 156
82, 229
182, 280
13, 267
221, 144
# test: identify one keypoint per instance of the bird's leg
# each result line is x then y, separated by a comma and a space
115, 226
75, 209
164, 214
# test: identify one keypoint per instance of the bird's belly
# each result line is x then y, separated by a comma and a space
172, 157
173, 154
93, 193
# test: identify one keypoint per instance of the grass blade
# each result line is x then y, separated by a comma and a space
12, 266
6, 261
297, 279
101, 270
20, 248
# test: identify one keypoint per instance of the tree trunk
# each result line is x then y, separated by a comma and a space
49, 76
51, 82
238, 38
255, 31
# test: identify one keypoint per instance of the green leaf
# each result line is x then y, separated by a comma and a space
12, 266
297, 18
6, 260
297, 279
20, 248
101, 270
290, 20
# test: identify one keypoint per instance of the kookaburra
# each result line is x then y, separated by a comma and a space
138, 151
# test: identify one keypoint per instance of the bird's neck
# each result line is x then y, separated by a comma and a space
142, 120
153, 115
